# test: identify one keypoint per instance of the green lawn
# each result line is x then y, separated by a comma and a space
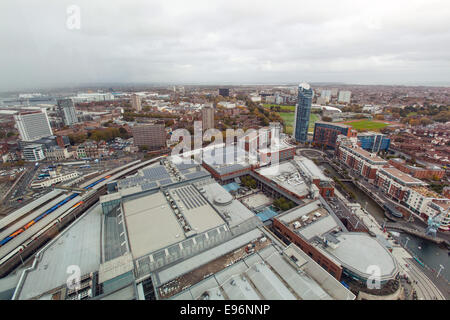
288, 119
363, 125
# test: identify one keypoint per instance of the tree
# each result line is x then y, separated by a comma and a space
77, 138
169, 123
443, 116
283, 204
123, 133
425, 121
249, 182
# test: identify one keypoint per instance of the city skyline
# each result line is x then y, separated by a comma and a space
237, 151
350, 42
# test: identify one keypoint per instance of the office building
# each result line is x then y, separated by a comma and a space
374, 141
224, 92
334, 92
33, 152
57, 153
302, 112
150, 136
207, 118
344, 96
136, 102
67, 112
33, 125
326, 133
90, 97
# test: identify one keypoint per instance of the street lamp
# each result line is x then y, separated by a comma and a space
407, 239
440, 269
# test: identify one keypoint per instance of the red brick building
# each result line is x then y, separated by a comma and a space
364, 163
430, 172
326, 133
286, 225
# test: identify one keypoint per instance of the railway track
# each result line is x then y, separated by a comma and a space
21, 243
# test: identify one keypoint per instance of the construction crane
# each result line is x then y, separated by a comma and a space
433, 225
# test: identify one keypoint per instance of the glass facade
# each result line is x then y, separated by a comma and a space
66, 109
302, 112
374, 143
326, 133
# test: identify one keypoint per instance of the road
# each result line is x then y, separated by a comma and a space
22, 186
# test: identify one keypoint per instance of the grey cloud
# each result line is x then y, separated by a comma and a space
224, 41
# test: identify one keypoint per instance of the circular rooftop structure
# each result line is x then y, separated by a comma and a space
223, 199
304, 85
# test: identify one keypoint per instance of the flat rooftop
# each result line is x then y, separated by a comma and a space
227, 159
427, 192
358, 251
334, 124
310, 168
198, 212
157, 175
286, 176
233, 210
364, 154
78, 245
151, 224
281, 145
309, 220
161, 219
403, 177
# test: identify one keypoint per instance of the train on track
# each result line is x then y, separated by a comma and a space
49, 211
22, 248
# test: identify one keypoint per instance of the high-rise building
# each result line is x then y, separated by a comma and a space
302, 112
326, 95
344, 96
207, 118
33, 125
334, 92
151, 136
224, 92
136, 102
67, 112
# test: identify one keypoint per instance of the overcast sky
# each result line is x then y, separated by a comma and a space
189, 41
